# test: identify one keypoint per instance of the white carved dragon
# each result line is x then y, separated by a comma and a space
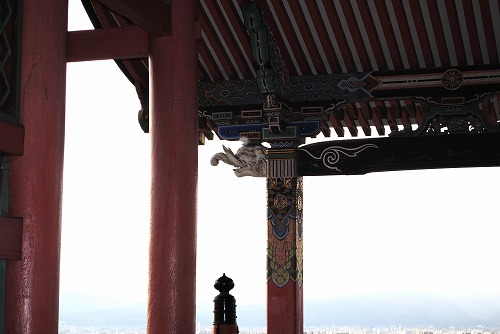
249, 160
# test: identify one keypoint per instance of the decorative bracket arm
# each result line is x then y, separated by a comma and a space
272, 74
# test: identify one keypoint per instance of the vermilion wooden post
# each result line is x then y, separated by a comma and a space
174, 139
284, 243
32, 283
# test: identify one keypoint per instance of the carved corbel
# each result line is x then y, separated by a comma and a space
249, 160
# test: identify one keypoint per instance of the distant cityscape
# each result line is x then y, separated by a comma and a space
322, 330
375, 314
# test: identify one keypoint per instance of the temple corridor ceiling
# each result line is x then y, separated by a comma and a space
354, 66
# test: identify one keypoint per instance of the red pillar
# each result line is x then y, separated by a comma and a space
174, 139
284, 243
32, 283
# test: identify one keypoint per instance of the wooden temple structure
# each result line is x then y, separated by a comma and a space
419, 80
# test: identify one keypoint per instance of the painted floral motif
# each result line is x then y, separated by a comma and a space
284, 249
452, 79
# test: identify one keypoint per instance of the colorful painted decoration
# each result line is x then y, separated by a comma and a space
284, 221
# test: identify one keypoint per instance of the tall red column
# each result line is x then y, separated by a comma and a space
174, 136
32, 283
284, 243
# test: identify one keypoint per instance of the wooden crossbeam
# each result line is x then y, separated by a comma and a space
308, 91
361, 156
111, 43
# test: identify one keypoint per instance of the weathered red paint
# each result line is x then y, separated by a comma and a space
174, 140
11, 138
285, 309
110, 43
35, 178
11, 232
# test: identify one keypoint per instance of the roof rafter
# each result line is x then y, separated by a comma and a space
152, 15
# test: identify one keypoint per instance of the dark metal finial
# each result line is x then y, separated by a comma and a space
224, 284
224, 303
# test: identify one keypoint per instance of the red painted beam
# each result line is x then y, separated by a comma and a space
11, 233
112, 43
154, 16
11, 138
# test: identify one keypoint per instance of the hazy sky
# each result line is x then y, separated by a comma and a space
421, 231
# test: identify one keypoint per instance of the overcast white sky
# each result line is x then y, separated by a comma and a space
421, 231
